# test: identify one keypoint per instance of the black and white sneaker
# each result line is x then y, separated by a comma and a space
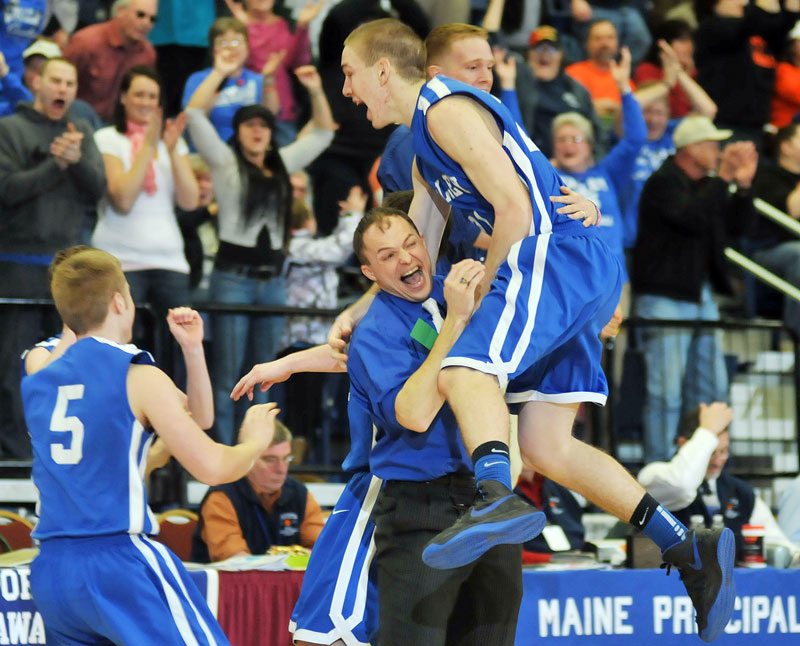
705, 562
500, 517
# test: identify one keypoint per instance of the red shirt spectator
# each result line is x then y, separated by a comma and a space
103, 53
679, 103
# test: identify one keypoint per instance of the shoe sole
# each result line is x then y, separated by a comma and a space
721, 611
471, 544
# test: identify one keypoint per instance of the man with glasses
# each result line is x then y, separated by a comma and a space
104, 52
265, 508
694, 481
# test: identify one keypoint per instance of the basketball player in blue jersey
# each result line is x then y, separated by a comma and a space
91, 414
338, 603
550, 286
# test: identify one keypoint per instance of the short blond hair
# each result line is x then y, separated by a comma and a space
441, 38
579, 121
83, 285
391, 39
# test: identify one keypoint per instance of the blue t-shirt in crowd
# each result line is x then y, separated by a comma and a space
23, 21
604, 182
183, 22
383, 355
12, 91
235, 93
651, 155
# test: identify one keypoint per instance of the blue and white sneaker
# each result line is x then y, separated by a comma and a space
705, 562
499, 517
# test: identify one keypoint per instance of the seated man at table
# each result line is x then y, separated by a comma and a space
265, 508
694, 482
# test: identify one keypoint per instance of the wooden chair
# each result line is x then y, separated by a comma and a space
15, 531
177, 527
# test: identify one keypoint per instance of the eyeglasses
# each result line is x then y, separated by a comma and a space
272, 460
143, 14
225, 44
577, 139
546, 49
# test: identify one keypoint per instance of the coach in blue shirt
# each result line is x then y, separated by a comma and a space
394, 361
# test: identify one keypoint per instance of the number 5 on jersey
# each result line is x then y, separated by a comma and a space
63, 452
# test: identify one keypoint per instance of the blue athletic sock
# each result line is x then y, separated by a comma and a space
658, 524
491, 462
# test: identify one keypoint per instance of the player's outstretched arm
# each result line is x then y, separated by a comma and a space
158, 403
316, 359
186, 325
469, 135
419, 400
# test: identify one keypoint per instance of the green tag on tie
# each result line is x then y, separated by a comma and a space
424, 333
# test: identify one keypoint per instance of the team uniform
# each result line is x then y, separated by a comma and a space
537, 329
98, 577
339, 598
428, 484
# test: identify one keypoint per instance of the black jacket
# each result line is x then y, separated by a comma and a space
684, 227
260, 528
736, 65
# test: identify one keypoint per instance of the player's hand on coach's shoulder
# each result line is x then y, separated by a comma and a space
576, 206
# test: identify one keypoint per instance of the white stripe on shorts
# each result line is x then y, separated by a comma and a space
348, 563
147, 547
575, 397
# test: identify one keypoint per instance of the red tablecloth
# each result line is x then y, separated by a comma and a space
255, 607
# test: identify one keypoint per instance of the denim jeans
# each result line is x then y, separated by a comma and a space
159, 287
684, 367
784, 260
241, 341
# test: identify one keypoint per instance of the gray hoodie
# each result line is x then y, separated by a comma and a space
41, 205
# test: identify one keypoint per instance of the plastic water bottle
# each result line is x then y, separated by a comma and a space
697, 522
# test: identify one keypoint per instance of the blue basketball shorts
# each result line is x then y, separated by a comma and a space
339, 598
537, 328
120, 589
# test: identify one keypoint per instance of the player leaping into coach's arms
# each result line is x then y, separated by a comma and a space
550, 286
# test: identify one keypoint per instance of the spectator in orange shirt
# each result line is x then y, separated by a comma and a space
786, 95
602, 46
267, 507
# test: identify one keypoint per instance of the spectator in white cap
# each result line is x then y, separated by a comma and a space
34, 58
686, 216
786, 93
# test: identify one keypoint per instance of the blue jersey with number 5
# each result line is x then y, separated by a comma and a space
89, 450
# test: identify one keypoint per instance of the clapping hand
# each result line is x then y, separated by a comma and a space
66, 148
309, 77
173, 129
